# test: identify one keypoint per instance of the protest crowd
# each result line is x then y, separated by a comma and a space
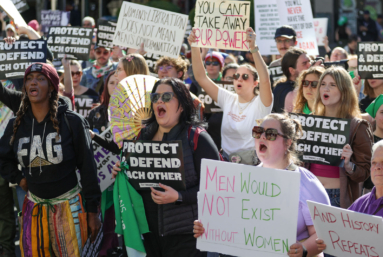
146, 136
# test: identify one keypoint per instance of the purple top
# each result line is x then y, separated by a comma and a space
310, 189
368, 204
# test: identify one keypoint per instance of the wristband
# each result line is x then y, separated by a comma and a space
256, 49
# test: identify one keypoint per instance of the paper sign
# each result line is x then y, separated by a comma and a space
323, 138
75, 42
11, 10
151, 163
370, 60
105, 33
320, 25
51, 18
15, 58
210, 105
83, 104
246, 210
21, 5
298, 15
266, 23
222, 24
162, 32
347, 233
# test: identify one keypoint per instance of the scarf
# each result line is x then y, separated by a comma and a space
98, 71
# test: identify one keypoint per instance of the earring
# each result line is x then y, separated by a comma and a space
50, 94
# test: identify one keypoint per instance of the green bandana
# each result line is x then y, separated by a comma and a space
306, 109
374, 106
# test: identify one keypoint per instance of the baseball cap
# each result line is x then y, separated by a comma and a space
285, 31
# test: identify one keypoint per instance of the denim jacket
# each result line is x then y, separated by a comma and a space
89, 81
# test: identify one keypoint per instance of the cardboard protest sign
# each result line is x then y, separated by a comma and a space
21, 5
210, 105
320, 25
298, 15
11, 10
222, 24
370, 60
162, 32
152, 162
323, 138
151, 60
5, 113
15, 58
51, 18
347, 233
83, 103
266, 23
75, 42
247, 210
105, 33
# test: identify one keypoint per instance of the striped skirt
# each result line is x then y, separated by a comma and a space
50, 229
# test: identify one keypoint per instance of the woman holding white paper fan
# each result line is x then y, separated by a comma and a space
240, 110
276, 143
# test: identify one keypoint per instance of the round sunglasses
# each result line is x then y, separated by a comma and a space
236, 76
306, 83
271, 133
166, 97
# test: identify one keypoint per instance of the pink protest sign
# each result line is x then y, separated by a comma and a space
222, 24
247, 210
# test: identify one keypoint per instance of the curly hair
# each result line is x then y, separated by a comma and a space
26, 104
178, 63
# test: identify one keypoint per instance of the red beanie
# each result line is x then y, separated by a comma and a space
46, 70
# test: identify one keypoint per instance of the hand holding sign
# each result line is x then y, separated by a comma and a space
320, 244
296, 250
169, 196
192, 38
198, 229
250, 38
346, 155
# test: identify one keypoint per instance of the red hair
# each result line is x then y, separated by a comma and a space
105, 96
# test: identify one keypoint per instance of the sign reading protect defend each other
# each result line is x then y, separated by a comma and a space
151, 163
370, 60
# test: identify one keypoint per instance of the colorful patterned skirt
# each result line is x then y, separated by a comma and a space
54, 227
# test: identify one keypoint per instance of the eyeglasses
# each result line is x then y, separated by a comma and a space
228, 78
215, 63
166, 97
167, 68
236, 76
78, 73
280, 41
271, 134
306, 83
98, 51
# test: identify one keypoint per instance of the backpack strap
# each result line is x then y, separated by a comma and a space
193, 134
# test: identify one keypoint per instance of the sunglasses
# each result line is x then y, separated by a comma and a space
271, 134
167, 68
78, 73
102, 52
215, 63
166, 97
236, 76
306, 83
280, 41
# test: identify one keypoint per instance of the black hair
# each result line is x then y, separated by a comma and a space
352, 38
228, 67
290, 60
189, 113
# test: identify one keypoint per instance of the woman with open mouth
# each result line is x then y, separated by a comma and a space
240, 110
337, 98
276, 144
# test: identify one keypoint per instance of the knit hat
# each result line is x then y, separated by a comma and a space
216, 55
45, 69
373, 108
34, 24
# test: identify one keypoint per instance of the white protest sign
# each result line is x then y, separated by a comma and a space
266, 23
104, 161
247, 209
298, 15
162, 32
320, 25
222, 24
11, 10
347, 233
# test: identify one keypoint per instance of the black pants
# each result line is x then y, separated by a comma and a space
7, 217
171, 246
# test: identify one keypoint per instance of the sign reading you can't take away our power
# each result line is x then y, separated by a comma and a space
151, 163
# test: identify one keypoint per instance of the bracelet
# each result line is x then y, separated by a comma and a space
256, 49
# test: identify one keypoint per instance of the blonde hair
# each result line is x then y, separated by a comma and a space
349, 107
300, 100
134, 64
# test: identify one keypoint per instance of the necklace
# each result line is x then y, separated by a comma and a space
242, 109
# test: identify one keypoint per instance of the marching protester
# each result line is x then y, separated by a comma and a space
337, 98
370, 203
372, 89
240, 110
338, 54
228, 71
276, 143
352, 44
173, 114
375, 110
73, 74
94, 77
88, 22
48, 141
